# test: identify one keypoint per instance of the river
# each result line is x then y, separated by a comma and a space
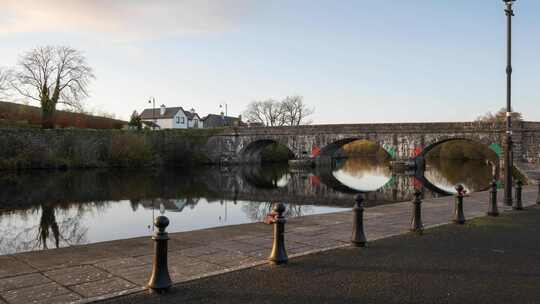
42, 210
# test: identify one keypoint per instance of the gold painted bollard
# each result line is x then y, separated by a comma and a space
160, 281
279, 253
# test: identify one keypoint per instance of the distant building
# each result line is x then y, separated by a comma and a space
171, 118
219, 121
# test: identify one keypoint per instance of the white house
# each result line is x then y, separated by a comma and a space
172, 118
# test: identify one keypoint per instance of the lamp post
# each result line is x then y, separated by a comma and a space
508, 155
152, 100
221, 106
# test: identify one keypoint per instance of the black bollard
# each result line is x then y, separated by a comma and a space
416, 222
279, 254
160, 280
538, 197
459, 216
358, 236
518, 204
492, 208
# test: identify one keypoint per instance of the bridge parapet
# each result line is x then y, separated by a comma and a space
401, 140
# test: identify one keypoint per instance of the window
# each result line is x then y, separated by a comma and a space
177, 119
182, 120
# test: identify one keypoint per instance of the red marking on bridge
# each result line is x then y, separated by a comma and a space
315, 180
315, 151
416, 183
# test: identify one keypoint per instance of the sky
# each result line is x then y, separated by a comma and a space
353, 61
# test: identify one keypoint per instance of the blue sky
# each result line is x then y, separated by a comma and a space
354, 61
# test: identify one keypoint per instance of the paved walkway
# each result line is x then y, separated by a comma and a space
88, 273
488, 260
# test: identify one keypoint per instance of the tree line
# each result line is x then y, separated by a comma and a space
291, 111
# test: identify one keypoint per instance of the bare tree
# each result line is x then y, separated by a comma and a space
52, 76
290, 112
4, 83
295, 111
268, 112
499, 116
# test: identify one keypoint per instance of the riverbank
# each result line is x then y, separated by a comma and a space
488, 260
105, 270
88, 148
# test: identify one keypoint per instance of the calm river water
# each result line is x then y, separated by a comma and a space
47, 209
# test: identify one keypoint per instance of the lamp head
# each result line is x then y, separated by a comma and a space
508, 9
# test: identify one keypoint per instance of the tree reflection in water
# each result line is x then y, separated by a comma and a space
257, 211
51, 231
46, 225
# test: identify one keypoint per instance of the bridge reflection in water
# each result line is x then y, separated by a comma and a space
41, 210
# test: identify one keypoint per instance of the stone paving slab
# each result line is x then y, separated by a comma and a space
86, 273
102, 287
43, 293
12, 267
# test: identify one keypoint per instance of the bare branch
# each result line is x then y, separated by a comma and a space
4, 83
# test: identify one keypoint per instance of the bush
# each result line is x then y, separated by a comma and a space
130, 150
365, 148
276, 153
462, 150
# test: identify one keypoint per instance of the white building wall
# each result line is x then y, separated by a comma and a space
165, 123
191, 123
180, 121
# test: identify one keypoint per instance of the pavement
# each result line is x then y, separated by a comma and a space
83, 274
488, 260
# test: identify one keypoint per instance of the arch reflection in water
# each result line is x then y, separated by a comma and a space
474, 175
362, 174
465, 162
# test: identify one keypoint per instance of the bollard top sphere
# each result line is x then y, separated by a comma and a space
417, 193
161, 222
519, 183
279, 208
359, 198
459, 188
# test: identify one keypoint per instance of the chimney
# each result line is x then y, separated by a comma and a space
162, 110
192, 110
240, 118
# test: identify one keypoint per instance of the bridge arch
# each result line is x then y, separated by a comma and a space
491, 145
330, 149
252, 152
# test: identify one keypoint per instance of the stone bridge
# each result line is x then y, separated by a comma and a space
403, 141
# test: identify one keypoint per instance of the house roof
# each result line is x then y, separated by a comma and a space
191, 115
215, 121
169, 113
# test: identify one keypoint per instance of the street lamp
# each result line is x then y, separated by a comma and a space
508, 153
221, 106
152, 100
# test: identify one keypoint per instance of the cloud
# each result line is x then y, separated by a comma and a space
122, 18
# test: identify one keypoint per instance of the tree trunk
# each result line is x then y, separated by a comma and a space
48, 109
